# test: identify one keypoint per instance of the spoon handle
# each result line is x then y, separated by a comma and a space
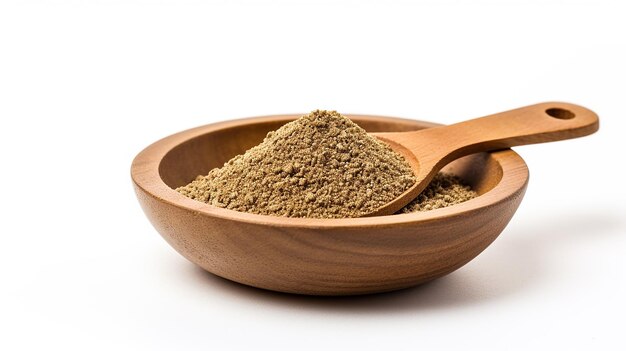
540, 123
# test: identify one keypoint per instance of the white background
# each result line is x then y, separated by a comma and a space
85, 85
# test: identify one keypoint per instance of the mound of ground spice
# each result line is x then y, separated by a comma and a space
321, 165
444, 190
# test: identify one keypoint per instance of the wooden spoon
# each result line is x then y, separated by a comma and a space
429, 150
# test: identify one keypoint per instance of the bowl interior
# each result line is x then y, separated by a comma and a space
198, 155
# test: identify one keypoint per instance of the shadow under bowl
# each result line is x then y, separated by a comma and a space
320, 256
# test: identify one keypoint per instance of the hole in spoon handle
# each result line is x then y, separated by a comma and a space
560, 113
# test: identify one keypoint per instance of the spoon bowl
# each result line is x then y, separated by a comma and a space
320, 256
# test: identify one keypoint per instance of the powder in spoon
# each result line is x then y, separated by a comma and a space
444, 190
321, 165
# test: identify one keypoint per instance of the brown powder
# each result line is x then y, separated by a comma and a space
443, 191
319, 166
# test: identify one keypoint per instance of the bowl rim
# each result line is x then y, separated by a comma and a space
145, 176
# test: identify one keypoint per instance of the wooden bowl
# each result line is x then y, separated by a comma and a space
320, 256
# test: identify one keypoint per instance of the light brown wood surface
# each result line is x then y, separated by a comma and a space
320, 256
430, 149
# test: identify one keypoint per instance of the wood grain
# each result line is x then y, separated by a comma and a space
320, 256
430, 149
